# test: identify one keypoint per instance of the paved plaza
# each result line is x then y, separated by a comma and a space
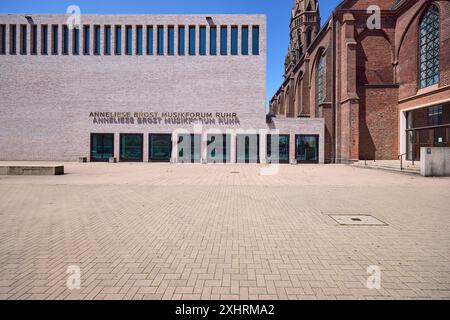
160, 231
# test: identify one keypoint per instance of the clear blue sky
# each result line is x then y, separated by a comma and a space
277, 11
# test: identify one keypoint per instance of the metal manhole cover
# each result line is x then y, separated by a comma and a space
357, 220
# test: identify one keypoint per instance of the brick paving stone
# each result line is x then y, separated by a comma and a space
150, 231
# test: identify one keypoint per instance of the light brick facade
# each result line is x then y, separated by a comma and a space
47, 99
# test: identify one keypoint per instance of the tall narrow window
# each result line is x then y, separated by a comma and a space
213, 41
149, 40
12, 39
429, 35
224, 40
118, 41
87, 40
255, 40
76, 41
160, 40
320, 84
234, 41
23, 39
65, 40
181, 40
139, 40
107, 40
97, 41
44, 40
244, 40
202, 44
54, 39
33, 40
2, 39
170, 40
129, 40
192, 40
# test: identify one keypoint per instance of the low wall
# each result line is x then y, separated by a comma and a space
435, 162
32, 171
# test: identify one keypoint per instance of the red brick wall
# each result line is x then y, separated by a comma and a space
378, 123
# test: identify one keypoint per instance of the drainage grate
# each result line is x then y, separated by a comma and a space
357, 220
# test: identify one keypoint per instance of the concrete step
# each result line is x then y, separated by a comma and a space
389, 166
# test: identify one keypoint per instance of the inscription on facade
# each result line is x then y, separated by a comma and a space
164, 118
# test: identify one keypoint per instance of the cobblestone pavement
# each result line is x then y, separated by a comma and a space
150, 231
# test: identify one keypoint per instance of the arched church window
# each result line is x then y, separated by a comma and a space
429, 47
320, 82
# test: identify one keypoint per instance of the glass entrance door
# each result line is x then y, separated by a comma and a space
278, 148
160, 147
189, 148
131, 147
247, 148
307, 148
102, 147
219, 148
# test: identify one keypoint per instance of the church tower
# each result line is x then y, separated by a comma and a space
305, 25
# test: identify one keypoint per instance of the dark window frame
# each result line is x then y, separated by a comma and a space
318, 149
181, 40
12, 39
23, 39
92, 142
150, 147
55, 40
121, 159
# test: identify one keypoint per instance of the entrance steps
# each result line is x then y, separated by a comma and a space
389, 165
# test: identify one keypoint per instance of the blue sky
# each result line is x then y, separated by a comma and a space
277, 11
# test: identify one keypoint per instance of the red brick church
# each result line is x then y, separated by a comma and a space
379, 78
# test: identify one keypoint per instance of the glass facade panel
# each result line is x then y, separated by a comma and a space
213, 41
244, 45
150, 40
23, 39
278, 148
202, 44
189, 148
131, 147
219, 148
107, 40
44, 40
234, 41
171, 41
2, 39
160, 148
102, 147
192, 41
255, 40
12, 39
160, 40
97, 41
65, 40
427, 127
129, 40
54, 39
33, 40
247, 148
181, 40
139, 40
224, 40
118, 40
87, 40
307, 148
76, 41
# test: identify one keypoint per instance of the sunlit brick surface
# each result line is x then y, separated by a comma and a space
140, 231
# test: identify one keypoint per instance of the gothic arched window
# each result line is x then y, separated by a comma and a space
320, 82
429, 47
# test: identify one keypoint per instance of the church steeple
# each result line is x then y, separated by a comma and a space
305, 25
